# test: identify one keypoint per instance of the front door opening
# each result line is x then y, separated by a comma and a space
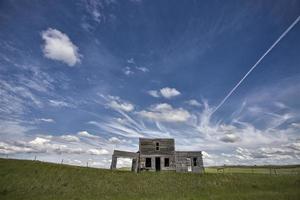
157, 163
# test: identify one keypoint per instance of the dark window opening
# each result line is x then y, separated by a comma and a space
194, 161
148, 162
157, 146
167, 162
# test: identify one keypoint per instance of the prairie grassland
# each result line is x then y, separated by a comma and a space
273, 170
20, 179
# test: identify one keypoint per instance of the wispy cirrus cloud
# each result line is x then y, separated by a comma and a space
48, 120
35, 92
59, 103
16, 99
114, 127
132, 68
200, 131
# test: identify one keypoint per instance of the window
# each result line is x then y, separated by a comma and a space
148, 162
167, 162
157, 146
189, 164
195, 161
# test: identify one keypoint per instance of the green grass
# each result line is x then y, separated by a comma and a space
21, 179
273, 170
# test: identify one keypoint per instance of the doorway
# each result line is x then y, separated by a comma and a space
157, 163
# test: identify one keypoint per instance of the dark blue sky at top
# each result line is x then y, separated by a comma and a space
201, 48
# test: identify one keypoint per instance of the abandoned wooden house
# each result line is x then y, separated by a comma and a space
159, 154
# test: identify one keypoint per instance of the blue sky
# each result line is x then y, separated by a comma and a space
81, 78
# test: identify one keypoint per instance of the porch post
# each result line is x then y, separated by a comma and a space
113, 162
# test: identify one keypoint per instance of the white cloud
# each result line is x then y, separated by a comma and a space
165, 112
114, 140
86, 134
70, 138
296, 125
97, 151
131, 61
57, 145
205, 155
128, 71
153, 93
280, 152
49, 120
275, 140
39, 141
230, 138
11, 149
58, 46
121, 106
169, 92
294, 145
143, 69
164, 92
194, 102
280, 105
118, 104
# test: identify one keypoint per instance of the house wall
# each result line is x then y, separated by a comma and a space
148, 146
148, 150
184, 161
162, 162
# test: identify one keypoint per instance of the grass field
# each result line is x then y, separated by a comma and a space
273, 170
21, 179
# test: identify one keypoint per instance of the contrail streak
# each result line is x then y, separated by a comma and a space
255, 65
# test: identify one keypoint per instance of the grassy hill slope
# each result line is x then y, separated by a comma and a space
20, 179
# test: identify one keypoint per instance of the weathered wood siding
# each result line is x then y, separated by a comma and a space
148, 146
125, 154
172, 163
148, 150
184, 161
